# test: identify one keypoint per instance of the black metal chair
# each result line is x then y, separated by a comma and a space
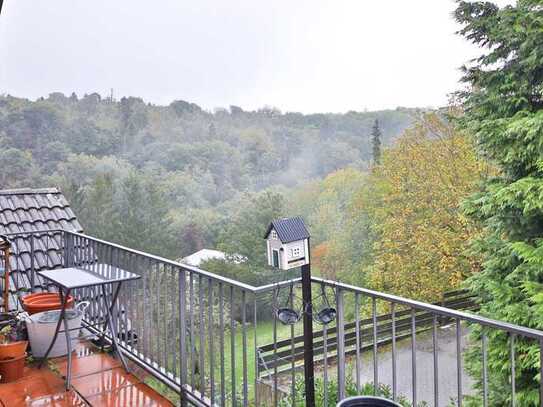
367, 401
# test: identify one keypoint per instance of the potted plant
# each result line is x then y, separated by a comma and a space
12, 356
9, 346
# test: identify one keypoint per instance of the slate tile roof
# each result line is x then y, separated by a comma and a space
289, 229
33, 210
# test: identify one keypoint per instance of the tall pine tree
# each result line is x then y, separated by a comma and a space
504, 111
376, 142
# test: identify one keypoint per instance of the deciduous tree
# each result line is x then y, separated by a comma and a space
414, 204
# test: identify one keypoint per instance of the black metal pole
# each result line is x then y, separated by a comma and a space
309, 371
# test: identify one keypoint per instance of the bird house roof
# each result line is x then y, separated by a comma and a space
289, 229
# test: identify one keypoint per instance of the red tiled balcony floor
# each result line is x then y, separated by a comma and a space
97, 380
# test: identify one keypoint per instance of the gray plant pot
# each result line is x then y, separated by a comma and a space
367, 401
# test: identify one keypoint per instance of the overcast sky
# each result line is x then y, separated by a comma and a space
298, 55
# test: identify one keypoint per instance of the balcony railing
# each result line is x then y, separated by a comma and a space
216, 341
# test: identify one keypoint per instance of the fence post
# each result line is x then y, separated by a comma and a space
309, 371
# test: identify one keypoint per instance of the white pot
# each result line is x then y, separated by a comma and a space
41, 329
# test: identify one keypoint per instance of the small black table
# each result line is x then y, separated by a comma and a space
68, 279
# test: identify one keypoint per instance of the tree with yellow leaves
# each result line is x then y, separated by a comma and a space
414, 198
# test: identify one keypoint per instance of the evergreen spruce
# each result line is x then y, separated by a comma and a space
503, 107
376, 142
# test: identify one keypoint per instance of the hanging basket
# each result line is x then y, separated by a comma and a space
327, 313
286, 314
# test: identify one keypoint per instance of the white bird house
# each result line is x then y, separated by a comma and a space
287, 243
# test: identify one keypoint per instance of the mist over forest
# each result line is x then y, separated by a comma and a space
172, 179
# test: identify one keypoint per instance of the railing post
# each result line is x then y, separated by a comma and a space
309, 371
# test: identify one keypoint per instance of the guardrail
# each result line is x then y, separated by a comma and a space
198, 332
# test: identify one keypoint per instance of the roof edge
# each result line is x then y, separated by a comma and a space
29, 191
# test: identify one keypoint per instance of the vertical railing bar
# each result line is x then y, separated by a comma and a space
414, 354
375, 357
92, 292
182, 331
244, 337
541, 372
435, 355
357, 327
201, 367
32, 266
167, 300
192, 342
160, 315
340, 345
485, 367
325, 361
292, 355
127, 304
156, 313
167, 316
117, 307
394, 373
173, 321
233, 347
140, 305
210, 334
513, 393
160, 282
89, 292
255, 322
152, 283
459, 360
275, 373
221, 327
145, 312
126, 301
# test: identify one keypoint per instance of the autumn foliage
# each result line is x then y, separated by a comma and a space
414, 203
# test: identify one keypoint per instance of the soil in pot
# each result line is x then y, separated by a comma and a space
12, 369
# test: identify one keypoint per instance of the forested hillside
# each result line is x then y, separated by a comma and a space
170, 179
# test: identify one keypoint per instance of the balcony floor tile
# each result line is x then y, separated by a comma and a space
97, 380
137, 394
87, 365
103, 382
38, 388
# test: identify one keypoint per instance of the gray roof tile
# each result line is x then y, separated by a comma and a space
32, 210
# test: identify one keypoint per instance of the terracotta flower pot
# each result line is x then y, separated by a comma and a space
13, 349
12, 369
41, 302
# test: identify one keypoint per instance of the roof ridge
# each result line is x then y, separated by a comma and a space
29, 191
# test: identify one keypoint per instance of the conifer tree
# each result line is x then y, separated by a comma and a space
376, 142
503, 107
